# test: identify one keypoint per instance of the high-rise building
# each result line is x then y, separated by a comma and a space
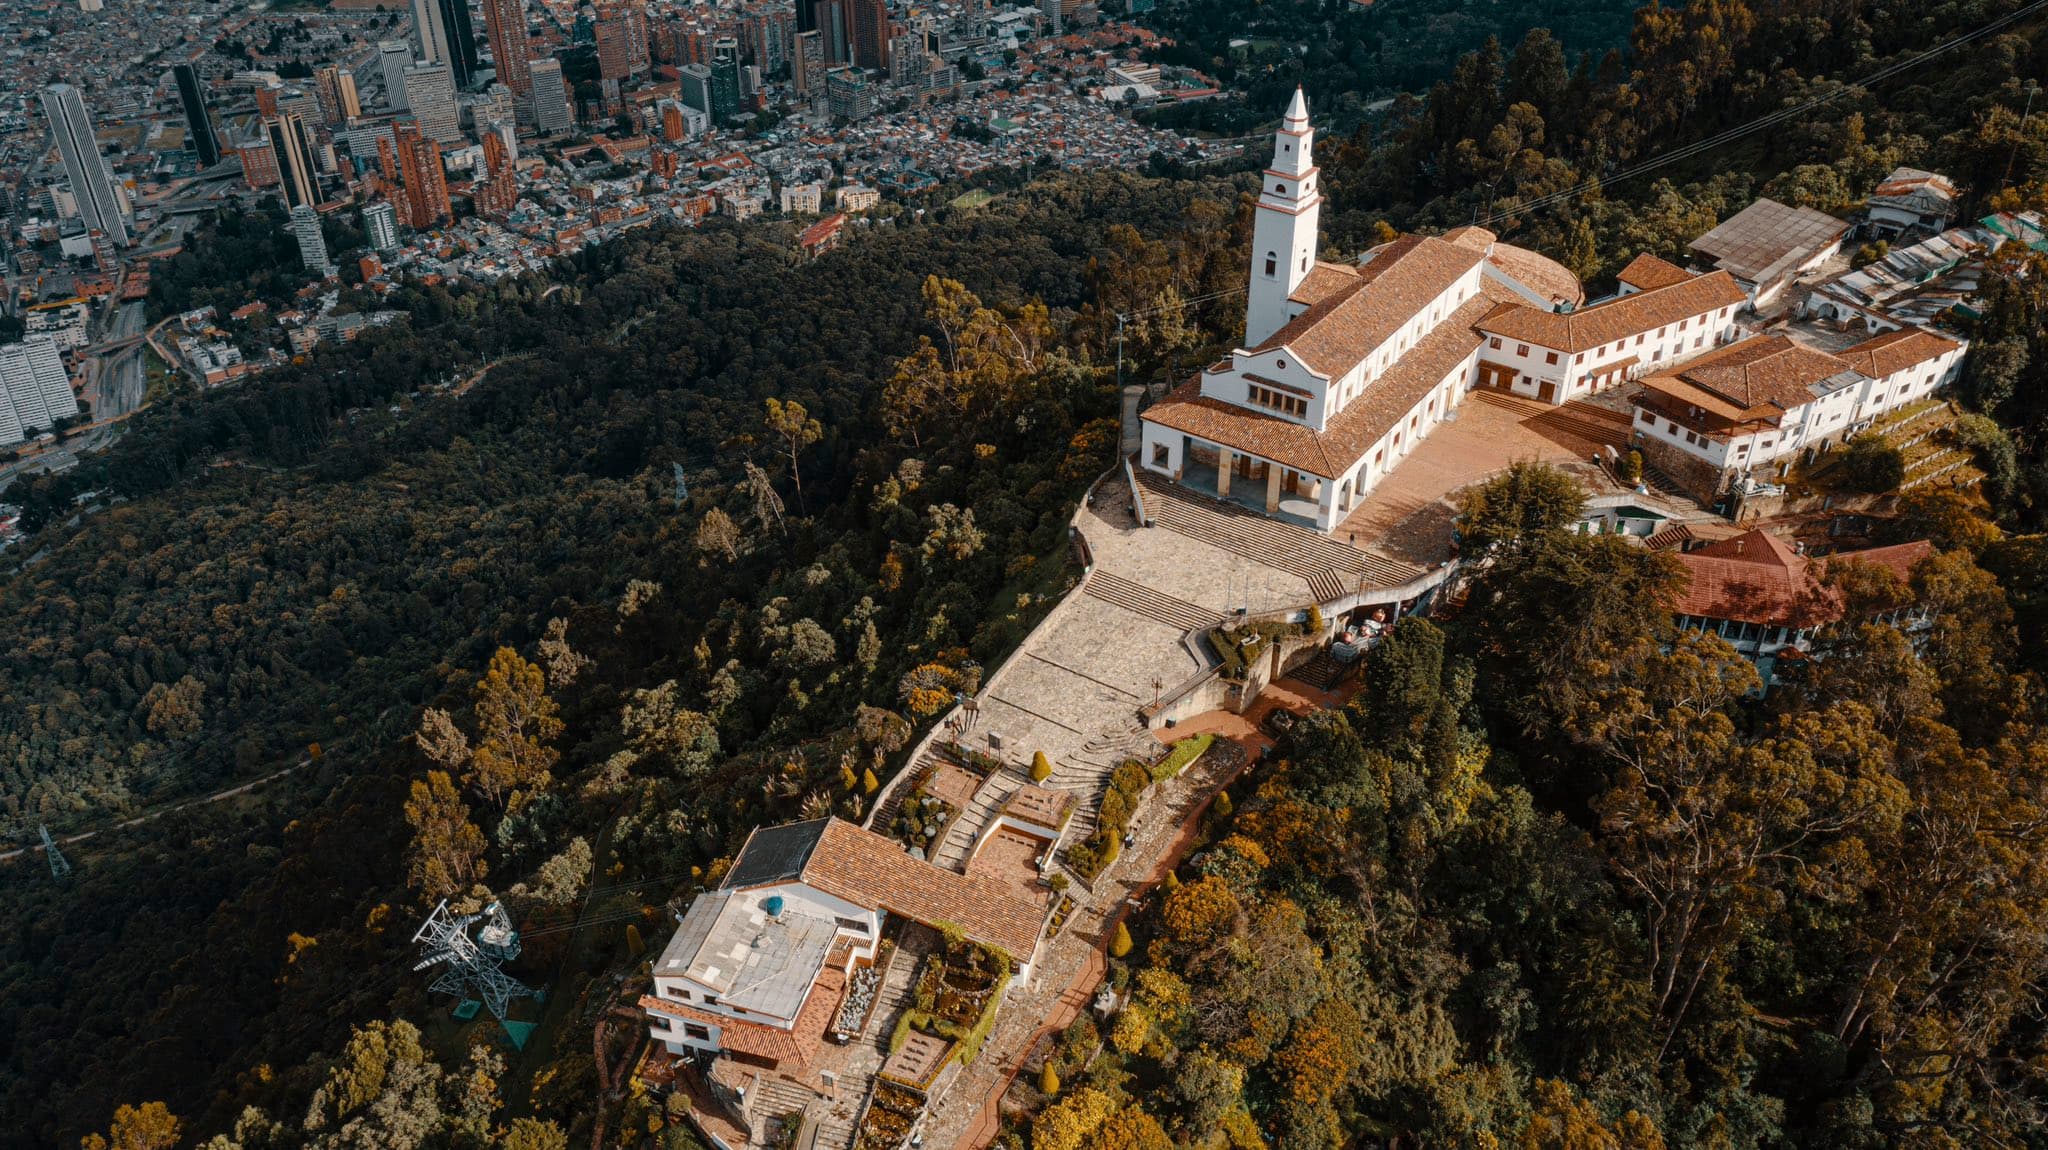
847, 94
393, 58
430, 92
92, 182
834, 26
725, 78
621, 35
807, 62
495, 104
868, 31
336, 87
498, 191
550, 98
292, 144
380, 226
421, 176
505, 21
35, 390
462, 58
198, 124
695, 86
259, 164
312, 245
1054, 21
429, 31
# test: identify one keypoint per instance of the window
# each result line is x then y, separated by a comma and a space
711, 1000
1697, 341
1639, 341
1672, 424
1280, 189
700, 1033
1272, 264
1161, 455
1691, 438
1280, 401
1493, 342
853, 924
1682, 323
1550, 357
1522, 349
1579, 358
1304, 262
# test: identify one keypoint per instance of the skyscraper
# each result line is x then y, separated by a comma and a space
550, 98
305, 227
505, 20
725, 78
394, 57
293, 146
337, 89
380, 226
198, 124
430, 31
92, 182
621, 41
868, 32
430, 91
695, 86
420, 174
807, 62
462, 57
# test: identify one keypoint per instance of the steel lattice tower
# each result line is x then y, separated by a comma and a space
472, 963
59, 865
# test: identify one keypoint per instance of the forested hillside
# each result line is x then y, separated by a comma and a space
312, 559
1551, 886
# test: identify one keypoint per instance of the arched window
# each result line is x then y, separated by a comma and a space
1272, 264
1279, 189
1304, 262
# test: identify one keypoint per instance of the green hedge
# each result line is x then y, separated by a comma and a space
1184, 752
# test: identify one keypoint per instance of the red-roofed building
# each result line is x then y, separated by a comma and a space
823, 236
1769, 600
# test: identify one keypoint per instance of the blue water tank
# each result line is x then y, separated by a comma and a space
773, 905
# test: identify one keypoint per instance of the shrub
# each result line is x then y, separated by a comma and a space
1871, 464
1041, 767
1184, 752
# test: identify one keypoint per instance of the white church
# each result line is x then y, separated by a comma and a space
1346, 367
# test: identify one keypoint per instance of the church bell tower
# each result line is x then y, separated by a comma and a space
1284, 233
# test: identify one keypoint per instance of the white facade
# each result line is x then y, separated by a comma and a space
705, 984
1284, 231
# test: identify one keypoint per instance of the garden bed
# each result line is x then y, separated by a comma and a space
892, 1110
922, 818
1091, 856
957, 994
1239, 649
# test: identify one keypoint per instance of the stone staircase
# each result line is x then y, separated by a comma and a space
884, 815
1297, 550
995, 790
776, 1097
1321, 672
1157, 606
899, 983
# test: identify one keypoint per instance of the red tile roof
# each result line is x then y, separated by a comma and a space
1756, 578
1882, 356
1397, 281
1353, 430
1646, 272
785, 1048
1618, 318
873, 871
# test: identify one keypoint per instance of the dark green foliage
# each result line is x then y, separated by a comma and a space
1871, 464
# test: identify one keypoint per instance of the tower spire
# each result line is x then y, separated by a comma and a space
1285, 230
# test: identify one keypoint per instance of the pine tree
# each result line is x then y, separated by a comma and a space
1121, 944
1048, 1082
1041, 767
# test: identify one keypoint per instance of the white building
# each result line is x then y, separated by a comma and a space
758, 967
1664, 315
1756, 406
804, 199
35, 390
551, 115
430, 92
393, 58
380, 226
1911, 200
67, 323
305, 228
99, 200
1344, 368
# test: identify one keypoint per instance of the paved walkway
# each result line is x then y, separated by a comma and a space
1071, 966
